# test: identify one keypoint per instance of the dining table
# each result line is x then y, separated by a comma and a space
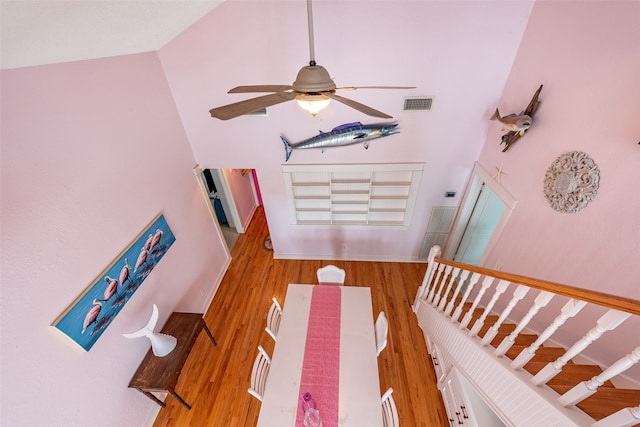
325, 347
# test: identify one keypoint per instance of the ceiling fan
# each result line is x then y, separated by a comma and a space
313, 90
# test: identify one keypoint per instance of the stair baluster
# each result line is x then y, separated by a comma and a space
541, 300
570, 309
461, 281
500, 288
452, 280
445, 278
587, 388
436, 282
469, 314
472, 282
608, 322
518, 294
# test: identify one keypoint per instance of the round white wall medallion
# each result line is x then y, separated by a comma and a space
571, 182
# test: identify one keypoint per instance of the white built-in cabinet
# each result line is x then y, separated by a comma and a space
354, 195
465, 408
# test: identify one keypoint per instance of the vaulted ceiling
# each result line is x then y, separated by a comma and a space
46, 32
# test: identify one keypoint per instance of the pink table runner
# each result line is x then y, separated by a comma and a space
321, 366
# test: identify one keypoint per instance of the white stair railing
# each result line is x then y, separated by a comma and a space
449, 287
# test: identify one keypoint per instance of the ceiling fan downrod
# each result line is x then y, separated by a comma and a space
312, 61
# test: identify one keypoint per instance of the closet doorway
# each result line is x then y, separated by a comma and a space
485, 210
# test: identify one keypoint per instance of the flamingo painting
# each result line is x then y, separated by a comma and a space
142, 258
111, 288
92, 314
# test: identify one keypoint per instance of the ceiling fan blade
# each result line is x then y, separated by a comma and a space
247, 106
375, 87
261, 88
360, 107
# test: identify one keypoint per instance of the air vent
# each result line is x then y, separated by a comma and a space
261, 112
438, 228
418, 103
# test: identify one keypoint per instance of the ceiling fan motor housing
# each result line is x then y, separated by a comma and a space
313, 79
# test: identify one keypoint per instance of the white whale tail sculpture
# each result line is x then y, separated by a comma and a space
161, 344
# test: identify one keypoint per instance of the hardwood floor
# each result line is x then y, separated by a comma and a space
215, 379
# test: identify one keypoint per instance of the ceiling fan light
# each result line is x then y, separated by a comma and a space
313, 103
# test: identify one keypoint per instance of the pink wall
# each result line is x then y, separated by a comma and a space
459, 52
91, 152
586, 54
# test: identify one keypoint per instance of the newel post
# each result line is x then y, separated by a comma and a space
434, 252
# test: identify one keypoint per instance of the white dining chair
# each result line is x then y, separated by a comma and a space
382, 329
273, 319
259, 374
389, 410
330, 274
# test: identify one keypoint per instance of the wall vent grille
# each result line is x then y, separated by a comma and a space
418, 103
438, 228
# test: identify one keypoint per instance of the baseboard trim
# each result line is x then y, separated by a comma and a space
347, 258
151, 419
223, 271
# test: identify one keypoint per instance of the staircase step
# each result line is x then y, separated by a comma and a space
474, 316
608, 400
543, 354
477, 313
523, 340
570, 375
488, 322
505, 328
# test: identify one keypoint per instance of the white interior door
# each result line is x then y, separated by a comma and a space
483, 214
484, 219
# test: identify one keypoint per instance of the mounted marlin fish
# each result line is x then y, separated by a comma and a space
347, 134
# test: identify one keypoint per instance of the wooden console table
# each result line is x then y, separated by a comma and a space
160, 374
